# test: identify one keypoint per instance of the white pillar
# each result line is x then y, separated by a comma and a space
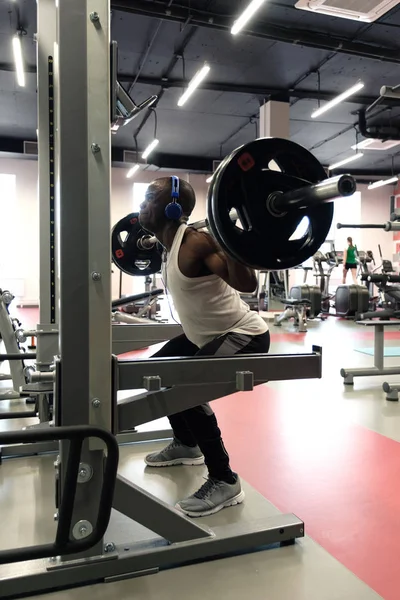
275, 122
275, 119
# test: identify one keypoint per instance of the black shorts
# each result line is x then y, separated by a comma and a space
348, 266
225, 345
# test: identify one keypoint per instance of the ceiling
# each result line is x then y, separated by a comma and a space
287, 54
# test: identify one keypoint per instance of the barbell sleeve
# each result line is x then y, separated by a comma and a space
312, 195
147, 242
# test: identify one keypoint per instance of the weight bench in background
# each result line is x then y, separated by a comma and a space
378, 368
294, 309
131, 332
136, 334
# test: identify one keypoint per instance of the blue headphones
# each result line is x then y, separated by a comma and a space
173, 210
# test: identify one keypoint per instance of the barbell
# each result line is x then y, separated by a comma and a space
253, 210
388, 226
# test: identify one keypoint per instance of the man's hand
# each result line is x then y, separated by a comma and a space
235, 274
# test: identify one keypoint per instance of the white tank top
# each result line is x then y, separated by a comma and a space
207, 306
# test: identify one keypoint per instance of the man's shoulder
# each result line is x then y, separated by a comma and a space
200, 243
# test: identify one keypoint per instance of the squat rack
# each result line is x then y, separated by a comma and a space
74, 41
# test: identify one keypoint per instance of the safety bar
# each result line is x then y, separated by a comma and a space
208, 370
18, 356
76, 435
379, 314
21, 414
136, 298
380, 278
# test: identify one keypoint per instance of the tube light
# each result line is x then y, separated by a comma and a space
150, 148
132, 171
337, 100
345, 161
209, 180
246, 16
363, 144
194, 83
19, 63
382, 182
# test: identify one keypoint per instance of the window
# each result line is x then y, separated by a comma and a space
8, 194
346, 210
139, 190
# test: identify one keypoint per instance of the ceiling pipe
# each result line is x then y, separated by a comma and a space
251, 89
281, 94
278, 33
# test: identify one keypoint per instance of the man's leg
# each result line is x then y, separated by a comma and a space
223, 487
183, 450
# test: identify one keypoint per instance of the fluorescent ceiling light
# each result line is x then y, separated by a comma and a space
246, 16
378, 184
132, 171
19, 63
337, 100
209, 180
345, 161
363, 144
375, 144
194, 83
150, 148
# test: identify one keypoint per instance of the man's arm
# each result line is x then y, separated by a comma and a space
235, 274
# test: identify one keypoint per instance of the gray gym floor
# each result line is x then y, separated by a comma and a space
303, 571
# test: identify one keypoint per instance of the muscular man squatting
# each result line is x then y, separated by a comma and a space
204, 284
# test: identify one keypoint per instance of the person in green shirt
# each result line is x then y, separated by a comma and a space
350, 261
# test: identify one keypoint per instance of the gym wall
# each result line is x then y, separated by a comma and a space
19, 252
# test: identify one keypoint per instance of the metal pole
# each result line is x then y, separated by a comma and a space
83, 375
47, 345
388, 226
83, 187
379, 347
46, 38
354, 226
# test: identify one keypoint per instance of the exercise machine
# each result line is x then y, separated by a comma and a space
296, 309
86, 377
12, 338
384, 317
379, 353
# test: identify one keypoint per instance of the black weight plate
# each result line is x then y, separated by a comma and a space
244, 181
125, 253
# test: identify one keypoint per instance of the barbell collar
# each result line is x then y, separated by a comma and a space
313, 195
392, 226
147, 242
